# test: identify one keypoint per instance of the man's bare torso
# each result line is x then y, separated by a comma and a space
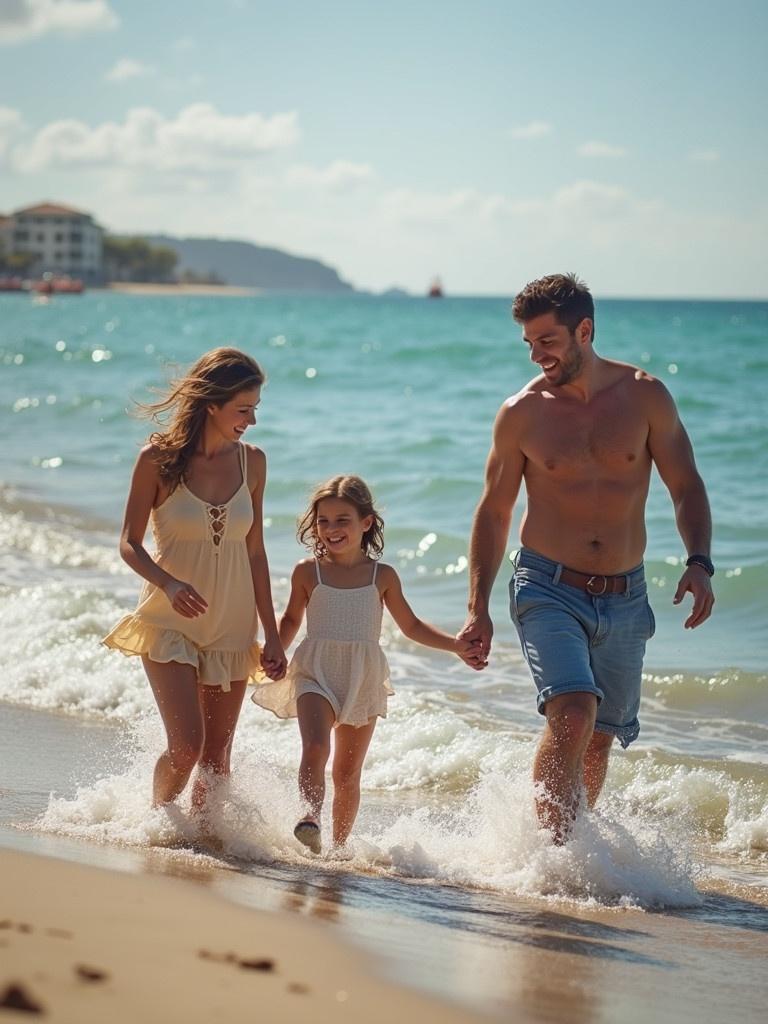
587, 471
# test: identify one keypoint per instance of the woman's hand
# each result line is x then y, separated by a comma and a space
184, 599
273, 659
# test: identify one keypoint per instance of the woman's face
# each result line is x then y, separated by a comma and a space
233, 418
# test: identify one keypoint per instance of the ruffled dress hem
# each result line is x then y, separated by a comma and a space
363, 667
133, 636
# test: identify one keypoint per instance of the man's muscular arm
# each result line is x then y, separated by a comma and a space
671, 450
490, 527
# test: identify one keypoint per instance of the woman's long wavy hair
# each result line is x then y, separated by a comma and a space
214, 379
356, 492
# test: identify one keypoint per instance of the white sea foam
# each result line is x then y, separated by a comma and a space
489, 839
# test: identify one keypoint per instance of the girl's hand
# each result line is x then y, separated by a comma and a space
273, 659
470, 652
185, 599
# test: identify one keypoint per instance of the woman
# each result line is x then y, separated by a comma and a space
208, 583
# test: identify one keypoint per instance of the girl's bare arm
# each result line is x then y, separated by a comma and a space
293, 616
410, 624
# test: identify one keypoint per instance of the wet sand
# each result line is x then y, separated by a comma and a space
478, 952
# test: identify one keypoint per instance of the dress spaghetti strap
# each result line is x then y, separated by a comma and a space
375, 567
317, 571
243, 464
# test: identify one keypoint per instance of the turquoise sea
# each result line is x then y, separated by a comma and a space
402, 391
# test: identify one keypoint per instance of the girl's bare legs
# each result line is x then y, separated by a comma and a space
350, 747
220, 712
316, 718
175, 689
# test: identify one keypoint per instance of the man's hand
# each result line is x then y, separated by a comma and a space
478, 630
696, 580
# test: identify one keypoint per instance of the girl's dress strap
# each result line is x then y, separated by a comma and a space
317, 571
243, 462
375, 567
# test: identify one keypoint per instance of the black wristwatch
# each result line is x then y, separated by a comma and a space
704, 561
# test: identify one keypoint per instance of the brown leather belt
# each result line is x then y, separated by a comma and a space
594, 585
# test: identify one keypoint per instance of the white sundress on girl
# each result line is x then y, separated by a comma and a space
340, 657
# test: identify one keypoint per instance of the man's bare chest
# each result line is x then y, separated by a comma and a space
570, 440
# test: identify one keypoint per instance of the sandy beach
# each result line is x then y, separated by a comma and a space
127, 930
147, 289
83, 944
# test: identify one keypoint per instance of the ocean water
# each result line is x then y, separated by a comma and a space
402, 392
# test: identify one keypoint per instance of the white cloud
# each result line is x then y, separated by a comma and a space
26, 19
532, 130
199, 137
10, 119
11, 123
602, 149
126, 68
339, 176
705, 156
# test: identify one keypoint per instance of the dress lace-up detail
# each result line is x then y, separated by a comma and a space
204, 545
217, 522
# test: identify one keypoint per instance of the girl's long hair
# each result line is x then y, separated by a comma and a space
356, 492
214, 379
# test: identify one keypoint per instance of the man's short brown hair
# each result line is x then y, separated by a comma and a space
562, 294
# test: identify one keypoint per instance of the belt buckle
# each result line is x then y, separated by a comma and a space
594, 581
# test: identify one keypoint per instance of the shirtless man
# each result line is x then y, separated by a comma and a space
583, 436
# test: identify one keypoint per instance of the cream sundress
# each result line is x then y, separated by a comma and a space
340, 657
204, 545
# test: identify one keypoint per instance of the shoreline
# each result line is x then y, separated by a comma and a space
87, 944
147, 288
145, 912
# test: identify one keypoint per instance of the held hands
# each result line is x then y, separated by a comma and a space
696, 580
469, 652
185, 599
477, 632
273, 659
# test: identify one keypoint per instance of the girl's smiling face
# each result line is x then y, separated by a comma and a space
340, 527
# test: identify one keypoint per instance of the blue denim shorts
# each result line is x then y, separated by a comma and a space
575, 642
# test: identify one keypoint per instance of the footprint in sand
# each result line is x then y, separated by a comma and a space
90, 974
246, 963
17, 997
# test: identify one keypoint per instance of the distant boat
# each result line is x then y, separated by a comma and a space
435, 289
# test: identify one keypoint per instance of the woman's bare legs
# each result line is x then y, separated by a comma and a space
220, 711
175, 689
316, 718
350, 747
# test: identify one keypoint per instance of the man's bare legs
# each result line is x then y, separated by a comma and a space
350, 746
175, 690
596, 765
571, 756
220, 711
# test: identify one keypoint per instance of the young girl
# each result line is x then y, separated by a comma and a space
196, 622
338, 677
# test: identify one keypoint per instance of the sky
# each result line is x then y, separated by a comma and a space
485, 142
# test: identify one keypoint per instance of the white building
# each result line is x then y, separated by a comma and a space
64, 241
6, 235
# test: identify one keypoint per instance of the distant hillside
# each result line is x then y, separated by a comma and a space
252, 266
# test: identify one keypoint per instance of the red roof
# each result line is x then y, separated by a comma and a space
51, 210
